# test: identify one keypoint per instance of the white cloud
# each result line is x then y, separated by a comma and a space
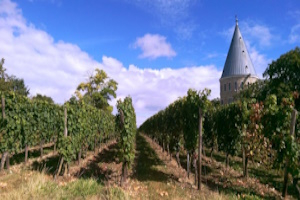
171, 13
56, 68
55, 2
154, 46
260, 61
259, 34
152, 90
185, 30
294, 36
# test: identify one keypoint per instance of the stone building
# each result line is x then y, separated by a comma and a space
238, 70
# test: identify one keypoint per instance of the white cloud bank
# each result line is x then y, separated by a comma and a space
154, 46
56, 68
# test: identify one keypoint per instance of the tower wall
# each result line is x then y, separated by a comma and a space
230, 86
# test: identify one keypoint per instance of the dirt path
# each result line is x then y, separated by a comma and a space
88, 168
154, 176
104, 166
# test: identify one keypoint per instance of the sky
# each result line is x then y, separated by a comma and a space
155, 49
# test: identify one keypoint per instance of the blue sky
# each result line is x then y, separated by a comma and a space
155, 49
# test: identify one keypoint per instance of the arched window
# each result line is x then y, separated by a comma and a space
224, 87
229, 87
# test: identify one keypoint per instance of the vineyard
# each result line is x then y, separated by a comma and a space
72, 128
267, 138
194, 148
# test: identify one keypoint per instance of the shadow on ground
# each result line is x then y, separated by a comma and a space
20, 157
48, 165
147, 163
262, 173
103, 167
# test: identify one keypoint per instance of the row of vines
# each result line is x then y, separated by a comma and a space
264, 131
179, 123
73, 127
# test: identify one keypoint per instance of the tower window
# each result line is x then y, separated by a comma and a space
229, 87
224, 87
235, 86
242, 85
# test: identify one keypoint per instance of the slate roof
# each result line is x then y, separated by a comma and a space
238, 61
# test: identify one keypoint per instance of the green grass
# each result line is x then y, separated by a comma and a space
40, 186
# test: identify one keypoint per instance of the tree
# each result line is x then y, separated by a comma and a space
4, 84
284, 75
98, 90
40, 97
18, 86
258, 90
11, 83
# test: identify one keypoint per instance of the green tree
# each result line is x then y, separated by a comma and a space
39, 97
284, 75
4, 84
11, 83
18, 86
258, 90
98, 90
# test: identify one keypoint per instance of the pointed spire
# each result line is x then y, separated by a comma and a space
236, 20
238, 61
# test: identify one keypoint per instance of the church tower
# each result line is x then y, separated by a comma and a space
238, 70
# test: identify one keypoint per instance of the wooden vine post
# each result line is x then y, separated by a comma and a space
286, 173
200, 148
4, 155
65, 135
66, 122
3, 107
